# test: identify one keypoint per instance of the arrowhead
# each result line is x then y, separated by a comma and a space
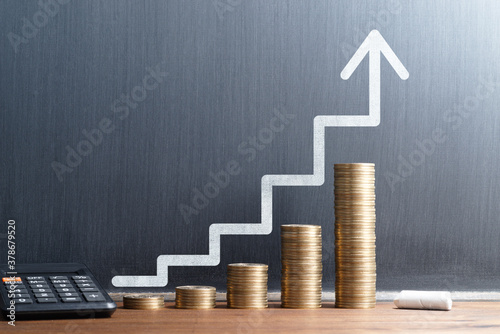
374, 42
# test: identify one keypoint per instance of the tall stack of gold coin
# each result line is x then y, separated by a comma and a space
301, 268
355, 267
247, 285
195, 297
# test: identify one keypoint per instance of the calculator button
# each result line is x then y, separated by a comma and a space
37, 282
19, 295
23, 301
86, 285
11, 279
31, 278
80, 277
59, 286
60, 290
41, 290
47, 300
57, 277
12, 282
18, 291
39, 286
68, 294
44, 295
71, 299
60, 281
94, 289
13, 287
80, 281
94, 297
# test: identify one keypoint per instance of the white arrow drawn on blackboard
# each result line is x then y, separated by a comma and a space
374, 44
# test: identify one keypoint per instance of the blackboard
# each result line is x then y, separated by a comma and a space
129, 127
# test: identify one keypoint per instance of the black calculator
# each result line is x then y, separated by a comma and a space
52, 290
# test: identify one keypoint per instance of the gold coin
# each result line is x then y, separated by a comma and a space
355, 217
301, 267
195, 297
143, 302
247, 285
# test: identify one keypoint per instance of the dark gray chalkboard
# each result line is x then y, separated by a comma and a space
178, 89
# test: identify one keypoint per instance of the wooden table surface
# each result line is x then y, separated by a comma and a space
465, 317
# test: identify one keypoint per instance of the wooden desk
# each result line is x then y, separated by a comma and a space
465, 317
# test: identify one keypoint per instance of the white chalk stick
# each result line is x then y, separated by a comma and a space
424, 300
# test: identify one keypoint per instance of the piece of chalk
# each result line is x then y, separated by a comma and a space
424, 300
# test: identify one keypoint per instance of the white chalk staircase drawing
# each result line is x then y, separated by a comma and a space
374, 45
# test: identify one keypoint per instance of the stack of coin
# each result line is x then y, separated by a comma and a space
247, 285
355, 268
301, 268
143, 302
195, 297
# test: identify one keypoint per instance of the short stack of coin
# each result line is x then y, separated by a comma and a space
143, 302
247, 285
195, 297
301, 268
355, 267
